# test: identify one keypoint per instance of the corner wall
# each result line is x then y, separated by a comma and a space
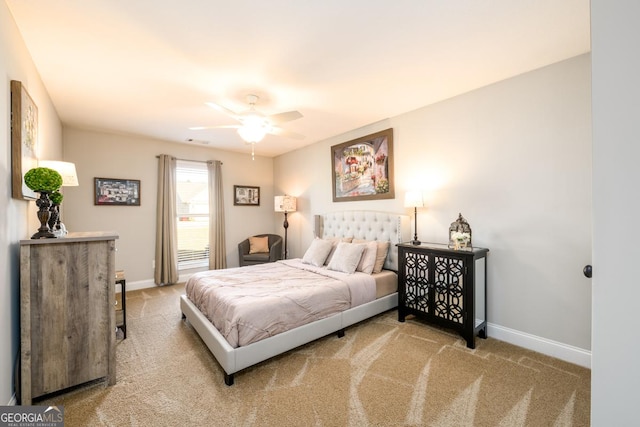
106, 155
515, 159
17, 217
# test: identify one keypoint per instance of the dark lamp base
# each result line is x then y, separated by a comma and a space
416, 242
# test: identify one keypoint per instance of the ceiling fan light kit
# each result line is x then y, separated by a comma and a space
252, 133
254, 125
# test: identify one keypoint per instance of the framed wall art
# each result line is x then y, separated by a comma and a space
117, 192
363, 168
24, 140
244, 195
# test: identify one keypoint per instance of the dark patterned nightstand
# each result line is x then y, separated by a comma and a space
444, 286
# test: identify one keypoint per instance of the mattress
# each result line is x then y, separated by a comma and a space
386, 283
251, 303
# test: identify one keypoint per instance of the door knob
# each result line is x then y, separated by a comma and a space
587, 271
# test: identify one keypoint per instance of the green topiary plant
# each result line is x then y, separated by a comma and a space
56, 197
43, 180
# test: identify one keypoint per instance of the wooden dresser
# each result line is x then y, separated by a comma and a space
67, 316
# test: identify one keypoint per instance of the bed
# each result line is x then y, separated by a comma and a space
235, 353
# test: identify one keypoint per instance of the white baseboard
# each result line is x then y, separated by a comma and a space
140, 284
149, 283
545, 346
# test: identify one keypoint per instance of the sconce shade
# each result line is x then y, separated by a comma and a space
285, 204
66, 169
413, 199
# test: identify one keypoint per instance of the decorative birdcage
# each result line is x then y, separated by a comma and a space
460, 234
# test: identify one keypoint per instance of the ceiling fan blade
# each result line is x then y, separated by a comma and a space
286, 133
224, 110
284, 117
215, 127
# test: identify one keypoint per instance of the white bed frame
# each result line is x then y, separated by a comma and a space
357, 224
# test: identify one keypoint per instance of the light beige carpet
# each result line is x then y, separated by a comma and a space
381, 373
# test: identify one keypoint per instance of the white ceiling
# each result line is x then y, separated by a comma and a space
147, 67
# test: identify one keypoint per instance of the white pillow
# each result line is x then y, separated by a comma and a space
334, 241
381, 256
317, 252
346, 257
368, 259
381, 253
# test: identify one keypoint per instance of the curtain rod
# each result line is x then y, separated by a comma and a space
188, 160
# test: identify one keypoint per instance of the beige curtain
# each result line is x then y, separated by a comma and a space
217, 252
166, 271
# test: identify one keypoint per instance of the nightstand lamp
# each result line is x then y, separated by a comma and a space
413, 199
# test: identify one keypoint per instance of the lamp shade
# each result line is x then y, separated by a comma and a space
65, 169
285, 204
413, 199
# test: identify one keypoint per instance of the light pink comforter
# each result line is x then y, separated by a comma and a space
248, 304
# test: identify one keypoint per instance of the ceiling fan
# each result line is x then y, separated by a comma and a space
254, 125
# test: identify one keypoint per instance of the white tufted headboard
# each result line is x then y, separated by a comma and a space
368, 225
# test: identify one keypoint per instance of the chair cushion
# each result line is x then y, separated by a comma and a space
257, 258
258, 244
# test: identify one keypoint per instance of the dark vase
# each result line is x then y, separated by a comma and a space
54, 216
44, 213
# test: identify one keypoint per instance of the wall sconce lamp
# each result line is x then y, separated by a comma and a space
413, 199
285, 204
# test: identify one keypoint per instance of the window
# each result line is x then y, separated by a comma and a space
192, 207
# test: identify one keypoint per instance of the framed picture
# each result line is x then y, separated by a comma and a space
244, 195
24, 140
117, 192
363, 168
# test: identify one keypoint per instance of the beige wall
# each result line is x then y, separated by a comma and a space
17, 217
105, 155
515, 159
